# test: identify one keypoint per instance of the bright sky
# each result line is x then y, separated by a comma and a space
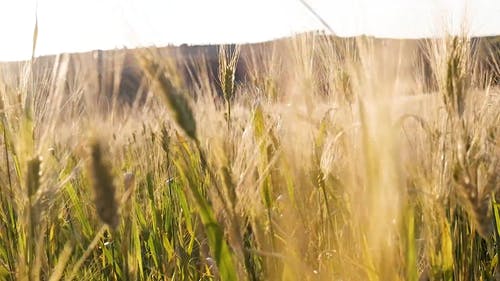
83, 25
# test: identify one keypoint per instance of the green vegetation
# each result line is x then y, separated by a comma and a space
329, 165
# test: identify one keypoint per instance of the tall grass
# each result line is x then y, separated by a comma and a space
328, 163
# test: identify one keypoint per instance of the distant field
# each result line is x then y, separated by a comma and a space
306, 158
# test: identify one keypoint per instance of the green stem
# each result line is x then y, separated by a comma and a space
87, 253
8, 203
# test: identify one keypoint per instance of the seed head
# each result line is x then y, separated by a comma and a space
176, 100
102, 184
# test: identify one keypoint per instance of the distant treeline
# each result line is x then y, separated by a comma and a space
118, 72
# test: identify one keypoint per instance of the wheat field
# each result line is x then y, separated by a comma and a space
334, 160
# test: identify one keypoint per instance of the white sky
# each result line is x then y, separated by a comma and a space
83, 25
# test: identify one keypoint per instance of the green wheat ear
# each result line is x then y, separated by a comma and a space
33, 176
227, 73
103, 186
456, 80
227, 70
175, 100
